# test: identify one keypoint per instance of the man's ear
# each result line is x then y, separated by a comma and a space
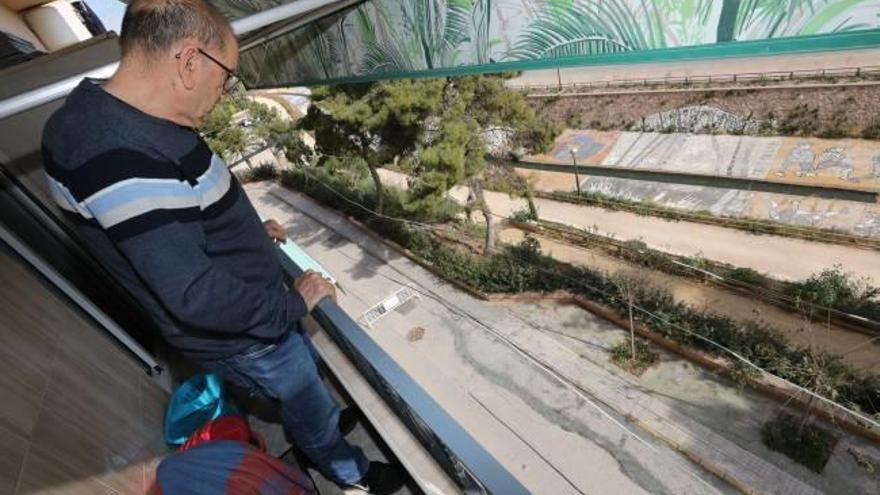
188, 65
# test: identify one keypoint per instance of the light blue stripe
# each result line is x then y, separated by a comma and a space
209, 179
210, 183
120, 202
64, 198
137, 191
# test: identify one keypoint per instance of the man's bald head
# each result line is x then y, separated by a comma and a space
154, 26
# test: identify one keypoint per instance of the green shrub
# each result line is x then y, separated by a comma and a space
263, 171
524, 268
636, 245
747, 276
523, 215
872, 131
810, 446
621, 353
696, 261
838, 289
358, 188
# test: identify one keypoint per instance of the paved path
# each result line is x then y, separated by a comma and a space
858, 349
780, 257
770, 254
805, 61
557, 431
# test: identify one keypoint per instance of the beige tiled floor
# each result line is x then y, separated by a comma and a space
77, 415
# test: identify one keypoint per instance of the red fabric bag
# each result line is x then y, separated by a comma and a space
225, 428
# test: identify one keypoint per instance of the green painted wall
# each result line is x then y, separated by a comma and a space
393, 38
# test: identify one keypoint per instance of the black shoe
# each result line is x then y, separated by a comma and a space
348, 419
381, 479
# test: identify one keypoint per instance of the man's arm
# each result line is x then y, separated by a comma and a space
172, 263
152, 217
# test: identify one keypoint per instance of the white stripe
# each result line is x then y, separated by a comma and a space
145, 205
210, 187
64, 198
216, 162
214, 183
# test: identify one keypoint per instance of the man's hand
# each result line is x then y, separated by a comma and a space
275, 230
313, 288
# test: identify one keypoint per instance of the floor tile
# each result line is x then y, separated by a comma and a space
44, 475
13, 449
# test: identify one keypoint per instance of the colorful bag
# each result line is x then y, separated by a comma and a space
197, 401
224, 467
234, 428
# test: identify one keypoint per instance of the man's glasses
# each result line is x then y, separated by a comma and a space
233, 80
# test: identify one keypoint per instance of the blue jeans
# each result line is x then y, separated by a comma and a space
286, 371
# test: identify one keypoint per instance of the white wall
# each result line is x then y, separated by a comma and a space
13, 24
57, 25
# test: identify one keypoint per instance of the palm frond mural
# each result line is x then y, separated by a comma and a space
687, 22
385, 36
235, 9
482, 29
761, 19
419, 34
315, 49
380, 53
587, 27
771, 18
842, 16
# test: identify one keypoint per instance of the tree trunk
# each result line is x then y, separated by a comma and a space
632, 331
530, 199
805, 418
469, 206
727, 21
380, 191
477, 187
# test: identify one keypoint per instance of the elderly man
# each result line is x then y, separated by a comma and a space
162, 212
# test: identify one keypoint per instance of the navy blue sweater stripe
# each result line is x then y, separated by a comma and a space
151, 221
110, 168
232, 196
172, 225
196, 162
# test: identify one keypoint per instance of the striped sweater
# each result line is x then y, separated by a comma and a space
165, 216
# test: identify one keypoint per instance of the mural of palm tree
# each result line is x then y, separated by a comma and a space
234, 9
431, 35
440, 29
758, 19
727, 22
686, 22
380, 53
311, 52
382, 36
482, 26
842, 16
586, 27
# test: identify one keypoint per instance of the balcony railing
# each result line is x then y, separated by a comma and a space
463, 459
747, 79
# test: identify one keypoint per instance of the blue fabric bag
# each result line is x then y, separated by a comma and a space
198, 400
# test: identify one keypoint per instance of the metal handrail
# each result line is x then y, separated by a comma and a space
51, 92
719, 181
15, 243
743, 77
463, 458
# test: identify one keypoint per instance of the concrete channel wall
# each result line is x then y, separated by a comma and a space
841, 163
